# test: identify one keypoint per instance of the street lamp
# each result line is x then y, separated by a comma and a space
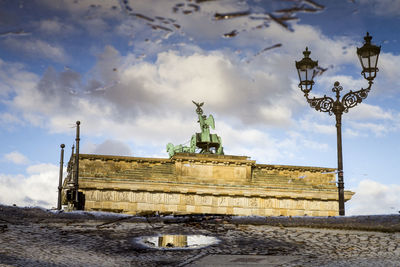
306, 68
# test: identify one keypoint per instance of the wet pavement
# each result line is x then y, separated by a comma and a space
36, 237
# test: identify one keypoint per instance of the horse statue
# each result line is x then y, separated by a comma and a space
171, 149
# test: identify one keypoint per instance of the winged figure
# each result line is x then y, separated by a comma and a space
199, 110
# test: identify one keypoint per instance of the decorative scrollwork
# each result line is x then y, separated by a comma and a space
323, 104
337, 88
351, 99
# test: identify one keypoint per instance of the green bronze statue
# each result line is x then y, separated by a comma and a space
206, 142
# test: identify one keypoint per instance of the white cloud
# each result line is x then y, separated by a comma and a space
8, 120
387, 78
78, 8
373, 198
365, 119
95, 26
249, 142
315, 145
310, 125
38, 48
55, 26
15, 78
50, 26
131, 89
369, 112
379, 129
382, 7
38, 188
258, 144
16, 158
108, 147
352, 133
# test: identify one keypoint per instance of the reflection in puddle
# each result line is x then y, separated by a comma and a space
177, 241
280, 12
231, 34
219, 16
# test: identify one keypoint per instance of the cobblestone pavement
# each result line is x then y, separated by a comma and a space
47, 239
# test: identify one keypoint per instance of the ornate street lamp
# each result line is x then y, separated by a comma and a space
306, 68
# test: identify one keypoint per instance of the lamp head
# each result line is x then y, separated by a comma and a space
306, 69
368, 55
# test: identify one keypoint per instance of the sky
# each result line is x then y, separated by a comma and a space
129, 70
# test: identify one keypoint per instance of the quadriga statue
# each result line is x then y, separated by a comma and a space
205, 142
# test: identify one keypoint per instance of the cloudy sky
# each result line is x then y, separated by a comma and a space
129, 70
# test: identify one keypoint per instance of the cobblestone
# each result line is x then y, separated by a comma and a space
45, 239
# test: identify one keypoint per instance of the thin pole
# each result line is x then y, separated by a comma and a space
72, 179
77, 163
340, 162
60, 177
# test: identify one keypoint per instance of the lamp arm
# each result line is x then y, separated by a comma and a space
352, 99
322, 104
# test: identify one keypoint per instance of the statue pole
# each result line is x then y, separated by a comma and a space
60, 177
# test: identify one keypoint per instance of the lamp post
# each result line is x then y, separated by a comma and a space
306, 68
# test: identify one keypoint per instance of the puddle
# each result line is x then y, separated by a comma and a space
177, 241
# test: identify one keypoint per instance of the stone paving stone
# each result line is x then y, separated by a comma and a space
70, 240
242, 260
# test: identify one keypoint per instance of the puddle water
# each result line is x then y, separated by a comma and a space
177, 241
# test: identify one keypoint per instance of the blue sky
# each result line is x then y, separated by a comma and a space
128, 71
